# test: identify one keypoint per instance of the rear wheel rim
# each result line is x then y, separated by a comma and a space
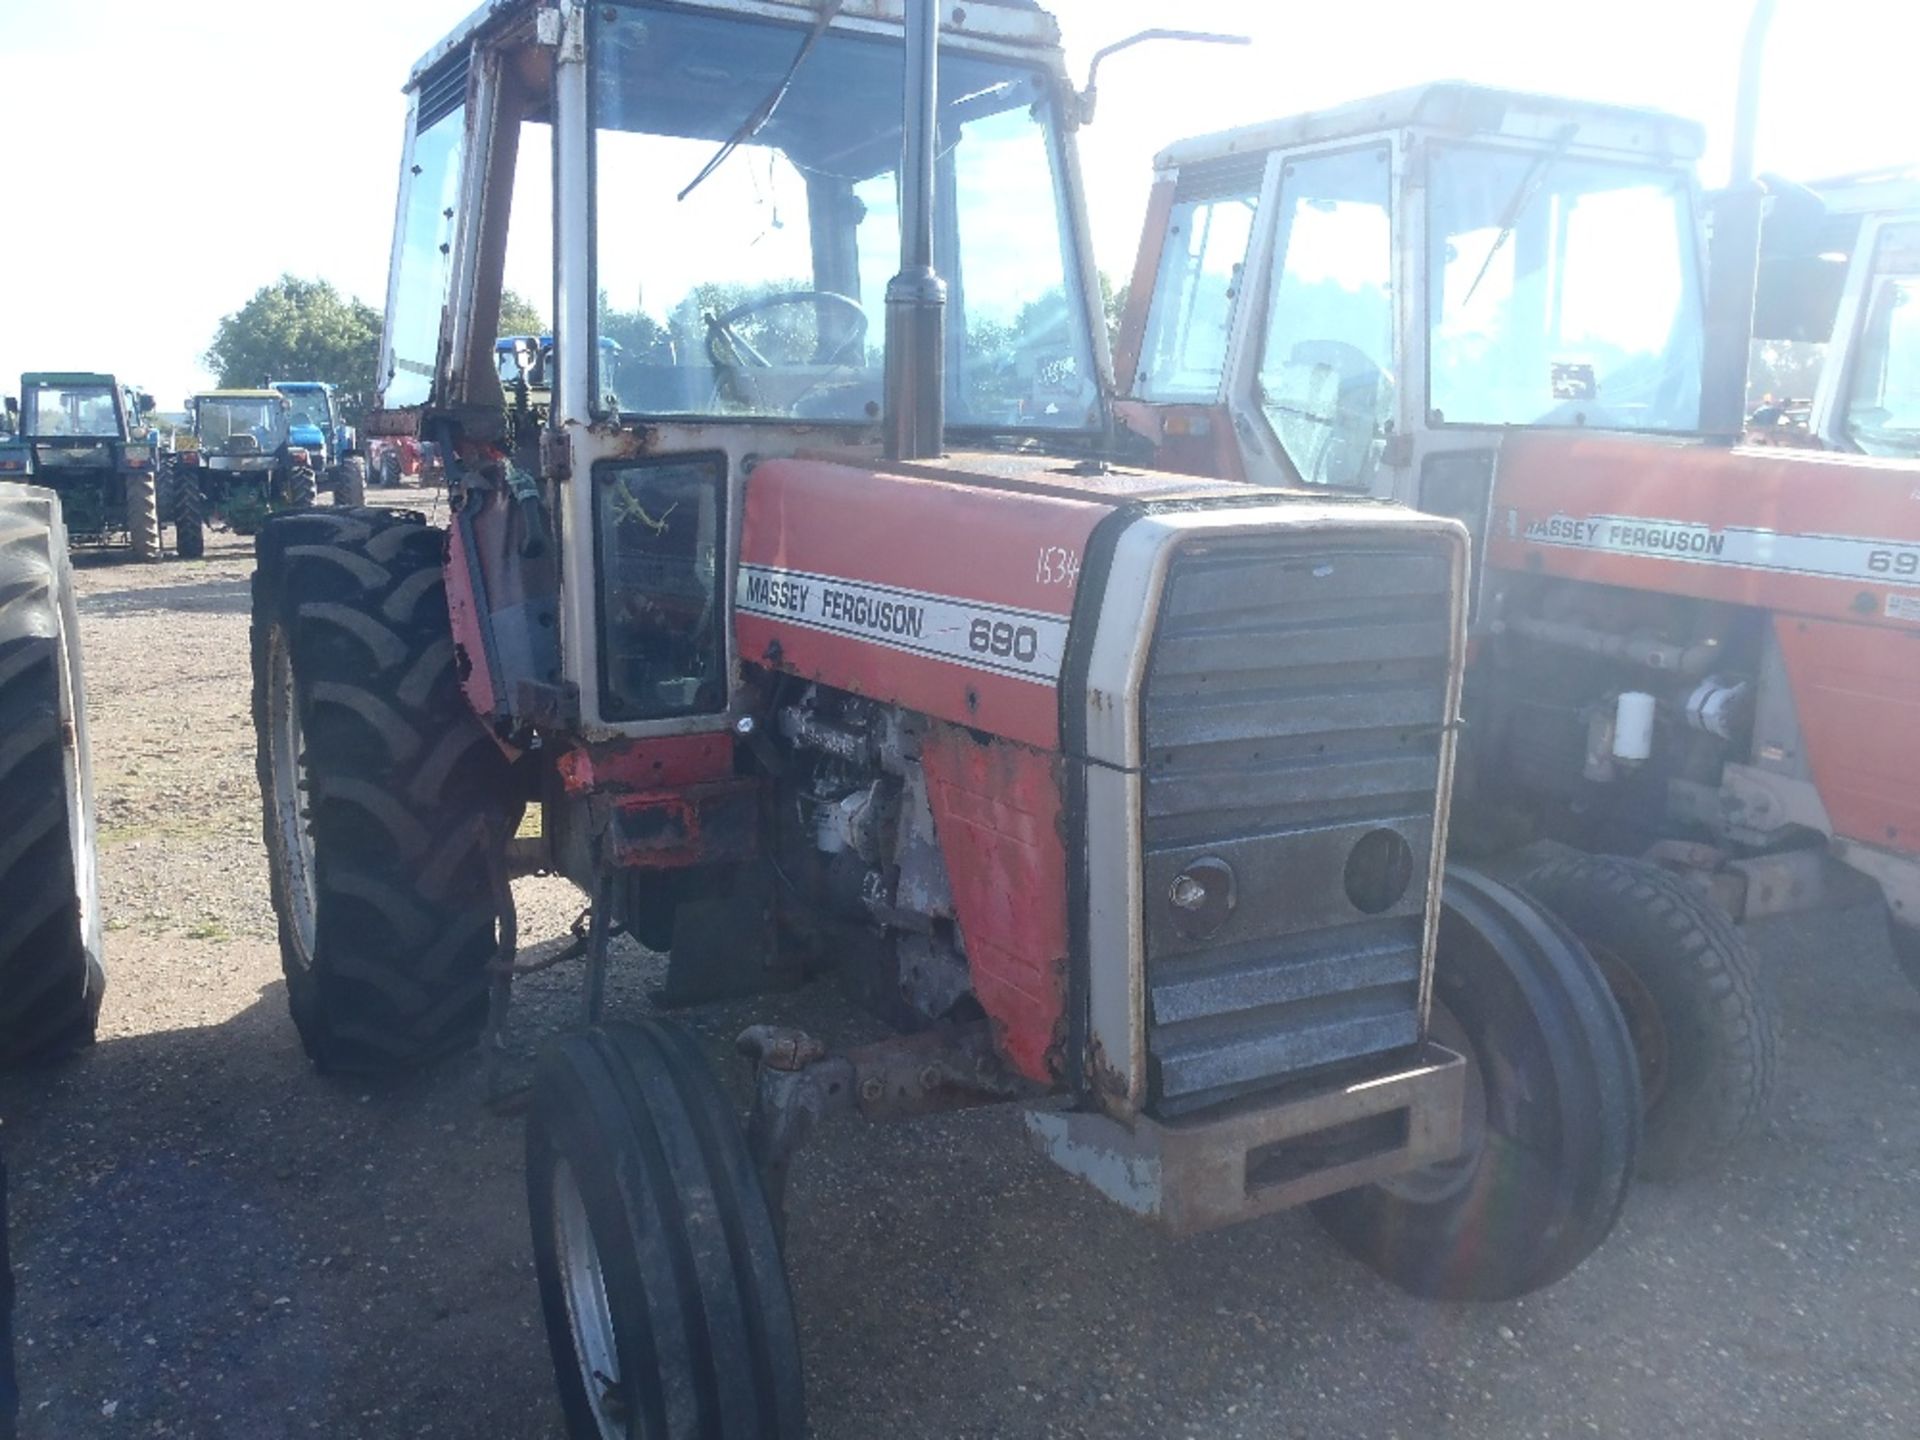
589, 1317
1644, 1022
288, 765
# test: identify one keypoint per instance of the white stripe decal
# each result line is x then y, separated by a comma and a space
1835, 557
1022, 644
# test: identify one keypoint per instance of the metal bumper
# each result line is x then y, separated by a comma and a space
1260, 1156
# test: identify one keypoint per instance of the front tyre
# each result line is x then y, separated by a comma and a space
661, 1282
1690, 990
1552, 1113
189, 516
51, 978
384, 801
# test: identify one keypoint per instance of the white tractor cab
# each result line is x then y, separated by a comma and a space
1442, 263
1840, 269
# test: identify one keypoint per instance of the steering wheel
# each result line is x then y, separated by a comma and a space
725, 347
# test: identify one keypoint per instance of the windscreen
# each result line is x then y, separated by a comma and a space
760, 291
307, 407
81, 410
1565, 292
221, 422
1883, 384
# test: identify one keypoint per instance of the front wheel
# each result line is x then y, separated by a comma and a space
189, 517
661, 1282
1688, 985
303, 489
1552, 1119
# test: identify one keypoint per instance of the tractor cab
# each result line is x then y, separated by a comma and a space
1364, 298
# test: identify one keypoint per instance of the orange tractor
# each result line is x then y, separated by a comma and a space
825, 637
1689, 658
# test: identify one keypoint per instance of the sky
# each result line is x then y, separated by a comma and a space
194, 151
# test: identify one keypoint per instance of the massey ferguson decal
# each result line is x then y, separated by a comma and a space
1838, 557
1022, 644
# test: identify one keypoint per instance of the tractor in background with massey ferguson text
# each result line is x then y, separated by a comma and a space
1693, 664
825, 637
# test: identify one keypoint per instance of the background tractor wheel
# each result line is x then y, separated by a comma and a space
350, 483
390, 469
303, 489
189, 516
1552, 1116
143, 514
1687, 984
383, 797
51, 978
665, 1298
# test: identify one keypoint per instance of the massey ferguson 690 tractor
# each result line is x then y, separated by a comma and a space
1689, 659
830, 640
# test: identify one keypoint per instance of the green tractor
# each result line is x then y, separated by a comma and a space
85, 437
238, 467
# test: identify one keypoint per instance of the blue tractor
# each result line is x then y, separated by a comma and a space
314, 424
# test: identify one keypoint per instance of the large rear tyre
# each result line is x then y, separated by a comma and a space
1552, 1115
51, 978
665, 1297
143, 514
1688, 986
350, 483
384, 800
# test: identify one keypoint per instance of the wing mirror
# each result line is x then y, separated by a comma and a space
1089, 97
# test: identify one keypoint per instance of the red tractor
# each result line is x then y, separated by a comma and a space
828, 637
1690, 659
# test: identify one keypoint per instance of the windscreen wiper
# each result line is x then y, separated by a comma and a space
1522, 197
763, 112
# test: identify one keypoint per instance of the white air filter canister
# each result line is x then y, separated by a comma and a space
1633, 726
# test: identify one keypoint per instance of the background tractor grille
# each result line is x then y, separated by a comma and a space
1294, 709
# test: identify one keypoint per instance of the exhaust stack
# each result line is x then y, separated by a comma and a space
915, 383
1733, 258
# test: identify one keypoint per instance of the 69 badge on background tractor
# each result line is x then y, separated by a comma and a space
239, 466
1121, 795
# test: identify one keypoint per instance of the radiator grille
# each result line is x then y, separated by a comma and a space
1295, 703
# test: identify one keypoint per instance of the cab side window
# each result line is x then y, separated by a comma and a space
1188, 322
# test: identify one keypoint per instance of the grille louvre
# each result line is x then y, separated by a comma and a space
1295, 701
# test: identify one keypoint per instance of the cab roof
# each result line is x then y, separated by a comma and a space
1459, 109
64, 377
1016, 22
238, 395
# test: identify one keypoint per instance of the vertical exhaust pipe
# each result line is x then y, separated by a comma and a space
915, 384
1733, 264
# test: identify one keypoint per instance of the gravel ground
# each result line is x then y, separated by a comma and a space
212, 1241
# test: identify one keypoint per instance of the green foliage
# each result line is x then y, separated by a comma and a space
520, 316
298, 329
636, 332
1113, 303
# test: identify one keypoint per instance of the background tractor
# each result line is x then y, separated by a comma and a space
314, 423
825, 638
238, 466
86, 438
1693, 660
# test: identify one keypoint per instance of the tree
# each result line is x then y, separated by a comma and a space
298, 329
1113, 305
519, 315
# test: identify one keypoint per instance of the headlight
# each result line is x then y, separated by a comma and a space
139, 454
